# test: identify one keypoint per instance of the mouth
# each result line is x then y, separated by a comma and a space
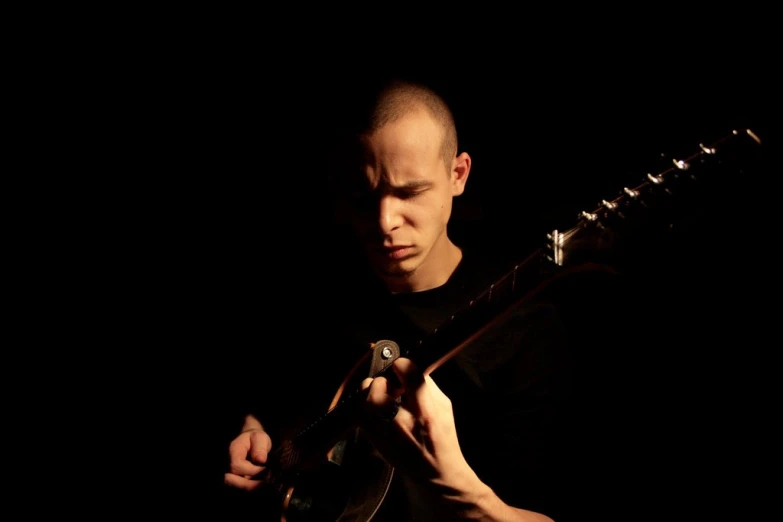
395, 253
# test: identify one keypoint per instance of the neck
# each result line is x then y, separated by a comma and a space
434, 271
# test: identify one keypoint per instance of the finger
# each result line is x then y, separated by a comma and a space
379, 393
423, 395
408, 373
400, 439
416, 427
239, 464
380, 403
240, 482
238, 459
242, 466
260, 444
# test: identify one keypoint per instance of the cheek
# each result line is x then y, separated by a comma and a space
445, 210
433, 219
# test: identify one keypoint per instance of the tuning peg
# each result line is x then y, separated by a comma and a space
752, 135
631, 192
682, 165
707, 150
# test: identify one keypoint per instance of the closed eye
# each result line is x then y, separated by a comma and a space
410, 190
407, 194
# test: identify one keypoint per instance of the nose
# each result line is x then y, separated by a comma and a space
390, 217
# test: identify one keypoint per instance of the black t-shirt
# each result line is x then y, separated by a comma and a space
509, 389
519, 401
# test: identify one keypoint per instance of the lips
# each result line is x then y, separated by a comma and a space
395, 252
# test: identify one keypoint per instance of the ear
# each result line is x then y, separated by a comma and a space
460, 169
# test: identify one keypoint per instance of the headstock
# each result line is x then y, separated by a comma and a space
642, 213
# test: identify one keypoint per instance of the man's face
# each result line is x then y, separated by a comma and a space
404, 199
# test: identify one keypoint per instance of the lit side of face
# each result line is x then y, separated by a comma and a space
403, 208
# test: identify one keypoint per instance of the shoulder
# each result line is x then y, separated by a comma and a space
478, 269
526, 345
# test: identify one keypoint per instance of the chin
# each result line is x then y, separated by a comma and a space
398, 269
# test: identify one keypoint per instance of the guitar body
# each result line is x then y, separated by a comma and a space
349, 491
347, 483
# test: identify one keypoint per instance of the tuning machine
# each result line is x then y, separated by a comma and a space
613, 208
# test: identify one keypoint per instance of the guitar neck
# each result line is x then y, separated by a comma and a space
482, 312
604, 239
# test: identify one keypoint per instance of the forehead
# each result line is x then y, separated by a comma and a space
415, 132
407, 147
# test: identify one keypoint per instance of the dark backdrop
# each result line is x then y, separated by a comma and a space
230, 233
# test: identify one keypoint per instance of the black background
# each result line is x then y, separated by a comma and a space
224, 231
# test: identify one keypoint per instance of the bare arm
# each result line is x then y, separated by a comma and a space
421, 441
483, 504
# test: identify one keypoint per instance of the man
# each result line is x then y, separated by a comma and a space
481, 438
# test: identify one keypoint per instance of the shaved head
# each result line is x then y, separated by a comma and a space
400, 98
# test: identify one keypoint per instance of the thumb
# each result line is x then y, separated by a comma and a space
260, 444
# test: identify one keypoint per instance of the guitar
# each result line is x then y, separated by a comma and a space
309, 476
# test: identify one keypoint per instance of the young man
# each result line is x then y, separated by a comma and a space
482, 437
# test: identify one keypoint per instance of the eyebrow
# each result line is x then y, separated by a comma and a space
411, 185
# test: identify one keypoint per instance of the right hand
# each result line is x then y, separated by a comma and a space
248, 454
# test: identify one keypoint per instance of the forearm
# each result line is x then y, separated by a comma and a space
481, 503
477, 501
486, 506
